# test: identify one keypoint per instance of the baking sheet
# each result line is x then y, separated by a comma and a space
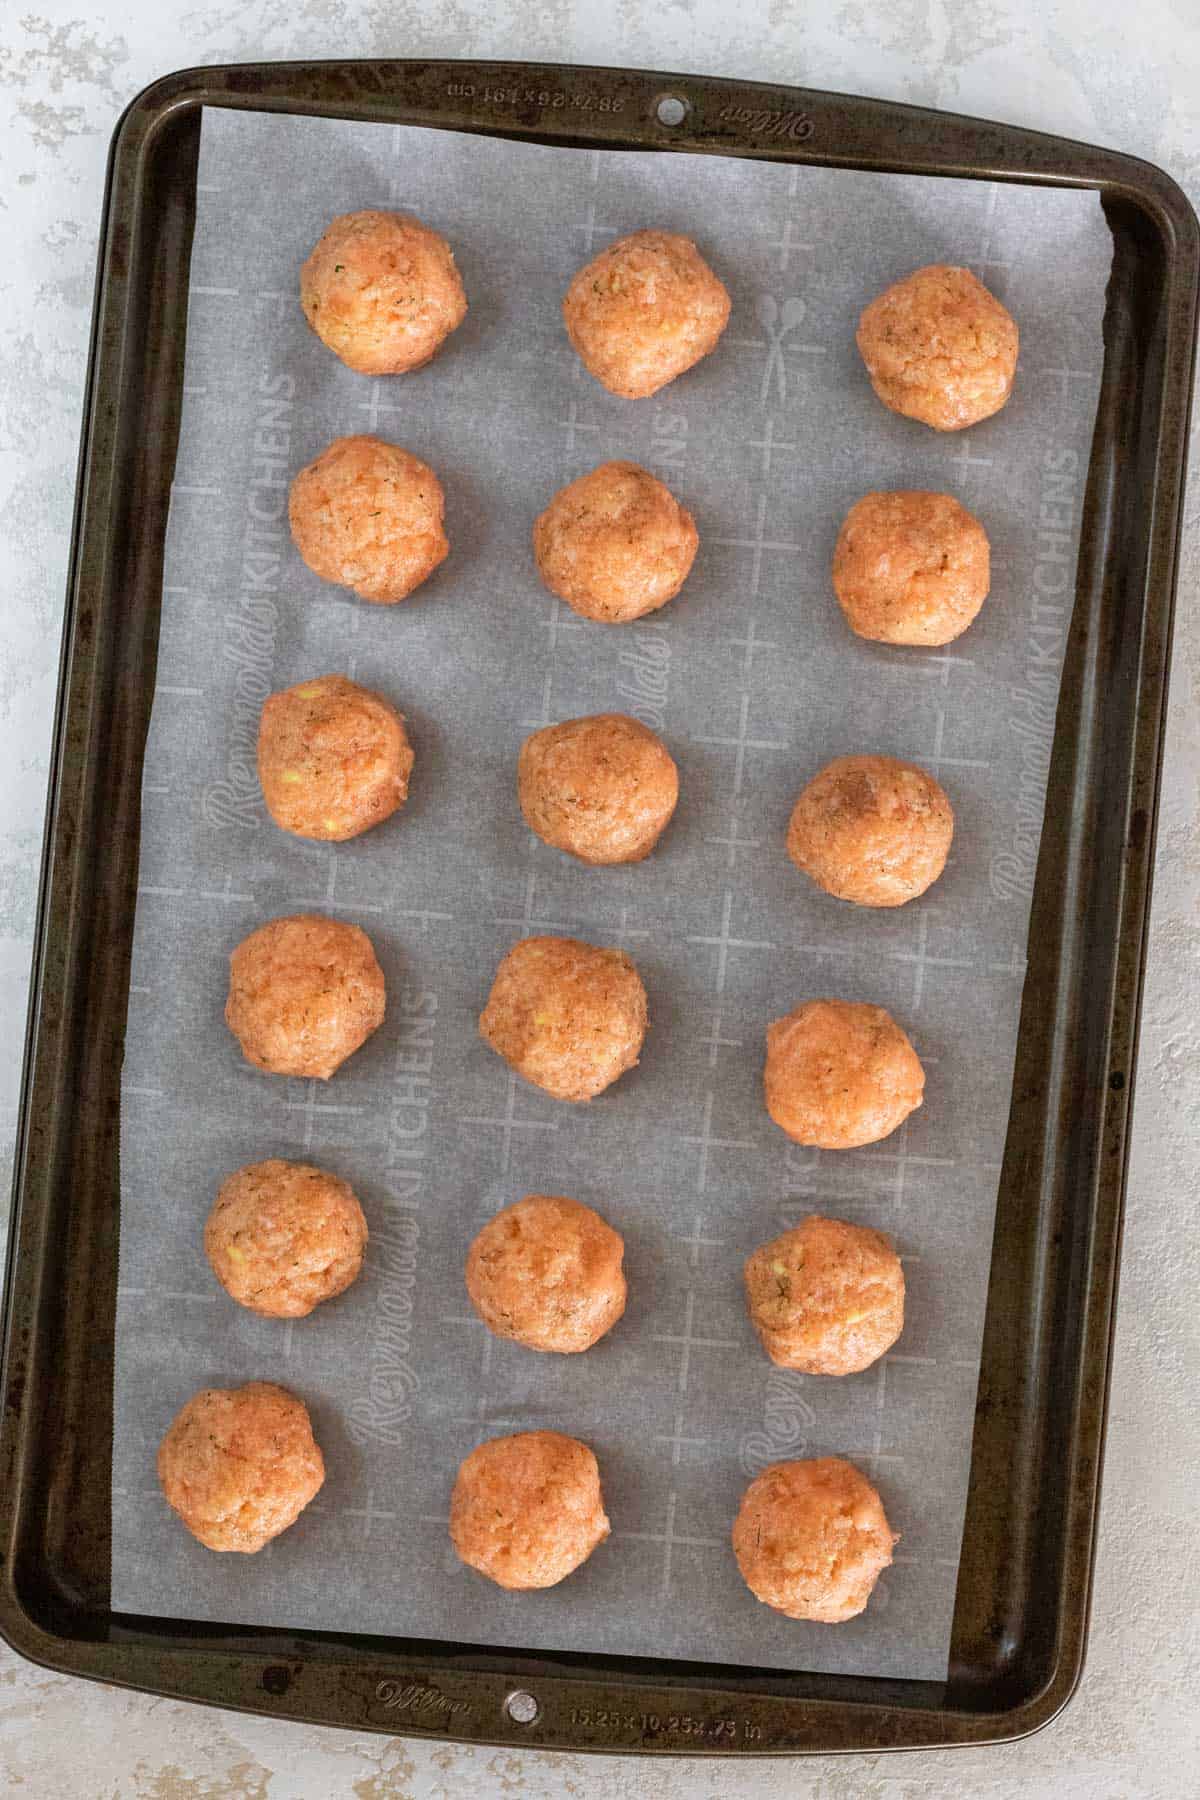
754, 681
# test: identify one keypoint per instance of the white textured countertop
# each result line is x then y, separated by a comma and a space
1077, 67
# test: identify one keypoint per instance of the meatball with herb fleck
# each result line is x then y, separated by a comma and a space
872, 830
283, 1236
546, 1272
938, 347
333, 758
239, 1465
811, 1539
911, 567
567, 1016
615, 544
368, 515
305, 992
644, 310
380, 289
602, 789
840, 1074
827, 1297
527, 1509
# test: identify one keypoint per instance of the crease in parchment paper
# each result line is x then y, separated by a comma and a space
754, 681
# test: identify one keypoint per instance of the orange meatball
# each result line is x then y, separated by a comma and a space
616, 544
644, 310
239, 1465
939, 348
871, 830
382, 292
812, 1539
333, 758
826, 1297
840, 1074
368, 516
282, 1237
567, 1016
602, 789
305, 993
911, 568
527, 1510
547, 1273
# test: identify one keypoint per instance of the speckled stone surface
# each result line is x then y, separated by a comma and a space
1086, 68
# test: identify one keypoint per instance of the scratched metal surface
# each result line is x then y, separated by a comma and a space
754, 682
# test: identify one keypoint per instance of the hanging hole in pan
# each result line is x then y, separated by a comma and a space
521, 1707
670, 109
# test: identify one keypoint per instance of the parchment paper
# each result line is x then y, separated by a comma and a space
755, 682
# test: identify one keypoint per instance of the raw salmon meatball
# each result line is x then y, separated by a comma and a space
382, 292
239, 1465
547, 1272
333, 758
527, 1509
567, 1016
840, 1074
826, 1298
911, 568
615, 544
602, 789
304, 993
368, 516
939, 348
283, 1236
812, 1539
643, 311
871, 830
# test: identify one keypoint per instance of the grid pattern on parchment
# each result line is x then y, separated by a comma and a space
754, 682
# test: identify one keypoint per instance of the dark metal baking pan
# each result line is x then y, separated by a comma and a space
1022, 1603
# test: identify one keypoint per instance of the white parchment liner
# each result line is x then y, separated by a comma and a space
755, 682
